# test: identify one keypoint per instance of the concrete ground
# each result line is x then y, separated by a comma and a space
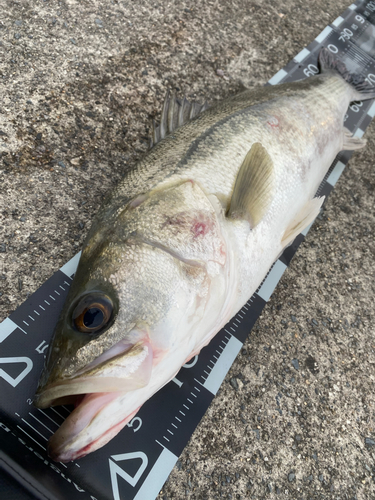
79, 85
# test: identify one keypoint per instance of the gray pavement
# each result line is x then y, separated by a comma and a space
79, 85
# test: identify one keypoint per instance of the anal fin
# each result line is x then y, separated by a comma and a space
253, 189
305, 217
352, 143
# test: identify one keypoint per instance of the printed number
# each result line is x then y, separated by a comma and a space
311, 70
346, 117
371, 6
42, 347
333, 48
190, 364
346, 34
133, 421
360, 19
370, 79
29, 401
116, 471
356, 105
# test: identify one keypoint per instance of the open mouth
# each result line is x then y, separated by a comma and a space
110, 377
78, 435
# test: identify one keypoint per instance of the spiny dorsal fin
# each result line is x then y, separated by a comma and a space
305, 217
175, 113
253, 189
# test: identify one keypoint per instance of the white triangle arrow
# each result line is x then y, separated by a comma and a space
116, 471
8, 378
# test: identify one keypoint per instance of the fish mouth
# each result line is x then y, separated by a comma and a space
76, 437
84, 430
92, 391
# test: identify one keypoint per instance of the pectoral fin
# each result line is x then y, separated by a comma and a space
253, 189
306, 216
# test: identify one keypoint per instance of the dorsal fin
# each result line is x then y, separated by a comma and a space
175, 113
253, 189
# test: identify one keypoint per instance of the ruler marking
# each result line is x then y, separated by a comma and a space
156, 441
178, 419
45, 414
48, 304
190, 401
175, 426
182, 413
186, 406
28, 435
166, 438
31, 317
67, 409
41, 423
42, 307
66, 283
324, 34
222, 367
192, 393
244, 307
200, 383
53, 298
36, 312
62, 288
63, 465
27, 324
53, 409
170, 432
196, 388
33, 428
206, 372
56, 292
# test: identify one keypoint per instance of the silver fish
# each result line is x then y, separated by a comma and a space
184, 240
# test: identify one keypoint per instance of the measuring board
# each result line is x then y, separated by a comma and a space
135, 465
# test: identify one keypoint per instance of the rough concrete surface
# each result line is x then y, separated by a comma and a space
80, 82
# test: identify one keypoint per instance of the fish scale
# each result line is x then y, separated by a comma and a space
156, 462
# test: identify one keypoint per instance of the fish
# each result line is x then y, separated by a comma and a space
184, 240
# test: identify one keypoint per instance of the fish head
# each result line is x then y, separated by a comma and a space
102, 340
141, 287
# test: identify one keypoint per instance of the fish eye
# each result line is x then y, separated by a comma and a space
92, 313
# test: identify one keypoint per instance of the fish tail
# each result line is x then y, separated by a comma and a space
361, 86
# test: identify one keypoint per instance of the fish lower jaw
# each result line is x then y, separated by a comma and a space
79, 434
69, 452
